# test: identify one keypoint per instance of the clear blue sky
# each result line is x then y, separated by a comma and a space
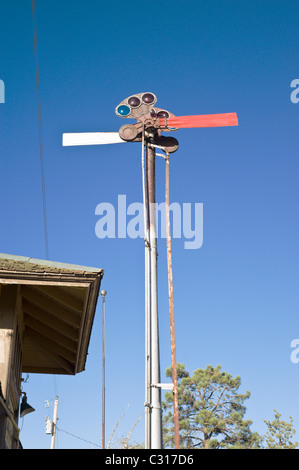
236, 298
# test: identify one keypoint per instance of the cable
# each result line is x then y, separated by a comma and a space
39, 116
73, 435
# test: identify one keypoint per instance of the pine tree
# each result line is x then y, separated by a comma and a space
211, 411
280, 433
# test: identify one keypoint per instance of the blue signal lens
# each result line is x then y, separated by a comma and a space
123, 110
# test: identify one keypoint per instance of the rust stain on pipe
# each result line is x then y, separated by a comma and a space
171, 312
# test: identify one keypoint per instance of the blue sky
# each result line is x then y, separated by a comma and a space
236, 298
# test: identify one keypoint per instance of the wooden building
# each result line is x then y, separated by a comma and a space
46, 317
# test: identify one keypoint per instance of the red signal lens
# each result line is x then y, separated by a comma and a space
134, 102
163, 114
148, 98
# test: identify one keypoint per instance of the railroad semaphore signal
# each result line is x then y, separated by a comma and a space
151, 121
141, 107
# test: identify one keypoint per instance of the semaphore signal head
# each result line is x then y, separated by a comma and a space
141, 107
136, 106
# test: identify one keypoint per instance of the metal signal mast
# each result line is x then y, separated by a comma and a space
151, 122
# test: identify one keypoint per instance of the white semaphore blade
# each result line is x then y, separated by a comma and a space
91, 138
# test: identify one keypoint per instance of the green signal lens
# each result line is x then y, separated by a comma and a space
123, 110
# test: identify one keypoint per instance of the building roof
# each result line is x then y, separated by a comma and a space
58, 303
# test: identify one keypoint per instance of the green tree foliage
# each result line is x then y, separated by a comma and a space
280, 433
211, 411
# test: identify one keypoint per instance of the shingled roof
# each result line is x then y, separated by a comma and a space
57, 303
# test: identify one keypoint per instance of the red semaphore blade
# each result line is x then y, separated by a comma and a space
205, 120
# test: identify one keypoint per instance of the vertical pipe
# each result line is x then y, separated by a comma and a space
156, 411
103, 293
171, 312
147, 350
147, 306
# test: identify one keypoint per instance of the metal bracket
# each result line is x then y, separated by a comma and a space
163, 386
162, 148
167, 144
148, 405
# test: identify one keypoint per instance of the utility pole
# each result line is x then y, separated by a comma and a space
54, 423
103, 294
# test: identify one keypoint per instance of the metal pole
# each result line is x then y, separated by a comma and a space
156, 412
171, 312
103, 293
54, 423
147, 351
147, 315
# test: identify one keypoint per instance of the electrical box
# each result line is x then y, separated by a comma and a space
49, 426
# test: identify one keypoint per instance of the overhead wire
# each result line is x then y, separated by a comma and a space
77, 437
39, 116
